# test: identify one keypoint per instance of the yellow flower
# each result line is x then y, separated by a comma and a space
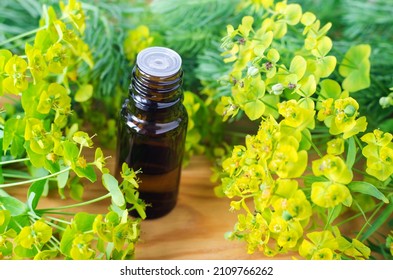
322, 245
137, 39
74, 12
328, 194
58, 57
379, 154
381, 167
80, 249
16, 82
346, 111
286, 161
37, 234
278, 224
333, 168
326, 110
378, 138
296, 116
335, 146
37, 64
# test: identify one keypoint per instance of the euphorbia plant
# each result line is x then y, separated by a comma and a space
312, 165
42, 147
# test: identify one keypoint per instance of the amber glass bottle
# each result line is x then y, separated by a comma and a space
153, 126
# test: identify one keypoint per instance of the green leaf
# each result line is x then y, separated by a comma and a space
351, 154
15, 206
66, 240
87, 172
334, 212
355, 68
13, 135
330, 89
112, 185
293, 14
76, 190
36, 160
379, 221
71, 152
323, 47
298, 66
24, 252
84, 93
308, 86
367, 188
5, 218
325, 66
35, 192
254, 110
84, 221
62, 178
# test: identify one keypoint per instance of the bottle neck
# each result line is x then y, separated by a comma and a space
152, 92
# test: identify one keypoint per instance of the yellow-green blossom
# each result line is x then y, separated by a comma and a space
81, 249
58, 57
73, 11
335, 147
333, 192
329, 194
37, 63
333, 168
287, 161
345, 121
296, 116
322, 245
137, 39
16, 80
37, 234
379, 154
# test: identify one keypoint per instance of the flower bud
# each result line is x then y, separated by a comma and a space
349, 110
385, 101
277, 89
252, 71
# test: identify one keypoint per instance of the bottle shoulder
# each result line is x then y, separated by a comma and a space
150, 125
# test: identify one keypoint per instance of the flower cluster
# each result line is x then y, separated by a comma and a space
379, 154
281, 212
46, 79
290, 91
137, 39
331, 245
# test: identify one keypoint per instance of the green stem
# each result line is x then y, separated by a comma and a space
358, 142
28, 33
361, 172
16, 176
56, 212
58, 220
14, 161
313, 145
77, 204
371, 217
349, 219
33, 180
55, 243
34, 217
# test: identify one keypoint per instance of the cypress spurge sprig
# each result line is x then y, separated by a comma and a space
292, 189
43, 142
